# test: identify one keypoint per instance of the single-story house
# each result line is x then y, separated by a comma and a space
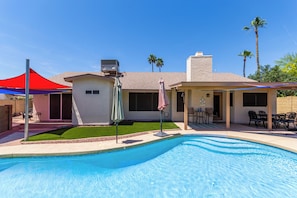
229, 96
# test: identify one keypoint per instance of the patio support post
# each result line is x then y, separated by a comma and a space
186, 118
269, 109
227, 109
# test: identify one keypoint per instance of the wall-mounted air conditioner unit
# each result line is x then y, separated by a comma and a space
110, 66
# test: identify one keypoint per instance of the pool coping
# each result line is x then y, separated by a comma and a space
89, 147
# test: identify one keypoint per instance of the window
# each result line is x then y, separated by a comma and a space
88, 92
96, 92
180, 101
92, 92
143, 101
254, 99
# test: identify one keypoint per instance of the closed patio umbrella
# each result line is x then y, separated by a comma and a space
117, 113
162, 104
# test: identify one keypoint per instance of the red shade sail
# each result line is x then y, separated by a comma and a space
37, 82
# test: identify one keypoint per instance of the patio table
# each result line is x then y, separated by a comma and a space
200, 116
283, 119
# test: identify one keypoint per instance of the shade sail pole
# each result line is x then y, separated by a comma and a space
26, 129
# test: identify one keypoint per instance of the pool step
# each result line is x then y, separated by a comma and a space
224, 146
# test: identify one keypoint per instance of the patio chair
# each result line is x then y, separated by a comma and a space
280, 120
262, 115
290, 119
208, 113
254, 118
30, 114
192, 114
200, 115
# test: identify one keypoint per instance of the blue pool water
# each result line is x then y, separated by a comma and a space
187, 166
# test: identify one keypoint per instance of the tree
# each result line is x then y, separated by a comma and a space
288, 63
285, 71
245, 54
152, 60
159, 63
275, 74
255, 25
269, 74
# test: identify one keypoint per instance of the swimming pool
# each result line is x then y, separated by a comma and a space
186, 166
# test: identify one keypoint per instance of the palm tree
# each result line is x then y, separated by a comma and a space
152, 60
245, 54
255, 24
159, 63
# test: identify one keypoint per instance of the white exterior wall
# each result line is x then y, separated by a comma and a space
199, 99
241, 112
91, 109
176, 116
145, 115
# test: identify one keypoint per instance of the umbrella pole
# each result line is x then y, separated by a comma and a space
161, 121
161, 133
117, 132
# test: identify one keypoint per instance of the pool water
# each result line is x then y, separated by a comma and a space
187, 166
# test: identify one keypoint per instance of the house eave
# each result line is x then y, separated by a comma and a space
234, 85
72, 78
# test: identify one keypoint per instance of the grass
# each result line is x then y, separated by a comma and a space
100, 131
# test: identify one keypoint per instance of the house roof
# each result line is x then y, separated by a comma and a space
96, 75
130, 80
60, 78
149, 80
229, 77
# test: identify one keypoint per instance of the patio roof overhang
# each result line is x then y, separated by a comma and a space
234, 85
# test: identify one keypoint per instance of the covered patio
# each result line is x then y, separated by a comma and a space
232, 87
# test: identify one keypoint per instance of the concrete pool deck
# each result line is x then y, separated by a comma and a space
14, 148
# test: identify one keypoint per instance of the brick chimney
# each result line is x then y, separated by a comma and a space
199, 67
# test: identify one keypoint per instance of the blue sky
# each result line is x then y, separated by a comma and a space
74, 35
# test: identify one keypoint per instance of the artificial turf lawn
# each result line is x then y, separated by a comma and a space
99, 131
